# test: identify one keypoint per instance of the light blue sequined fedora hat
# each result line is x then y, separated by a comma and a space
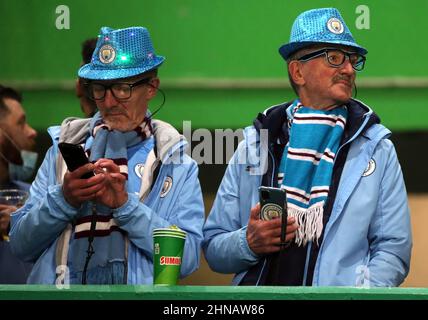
316, 26
121, 53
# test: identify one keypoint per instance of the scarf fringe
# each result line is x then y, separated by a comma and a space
310, 223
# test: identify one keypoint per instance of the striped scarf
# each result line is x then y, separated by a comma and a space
307, 165
113, 144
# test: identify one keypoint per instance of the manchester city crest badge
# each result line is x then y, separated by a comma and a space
107, 54
166, 186
335, 25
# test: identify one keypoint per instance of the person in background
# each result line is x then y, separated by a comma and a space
18, 139
88, 106
349, 222
98, 230
17, 167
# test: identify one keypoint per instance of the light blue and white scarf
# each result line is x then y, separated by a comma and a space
307, 165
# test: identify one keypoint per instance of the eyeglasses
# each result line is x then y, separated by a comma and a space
120, 90
336, 57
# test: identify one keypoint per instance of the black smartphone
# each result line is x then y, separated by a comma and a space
75, 157
272, 202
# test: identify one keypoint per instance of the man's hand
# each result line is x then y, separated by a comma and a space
264, 237
77, 190
5, 212
113, 194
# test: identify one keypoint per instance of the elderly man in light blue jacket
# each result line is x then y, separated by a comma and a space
98, 230
348, 218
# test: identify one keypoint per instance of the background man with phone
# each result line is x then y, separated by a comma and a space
98, 229
345, 189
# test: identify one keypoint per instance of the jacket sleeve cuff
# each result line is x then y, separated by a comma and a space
127, 208
247, 253
60, 205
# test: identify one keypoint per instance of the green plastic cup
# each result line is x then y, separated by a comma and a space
172, 234
167, 255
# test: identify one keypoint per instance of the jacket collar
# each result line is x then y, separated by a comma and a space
274, 119
360, 119
167, 139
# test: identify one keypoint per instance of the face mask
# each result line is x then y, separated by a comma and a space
25, 171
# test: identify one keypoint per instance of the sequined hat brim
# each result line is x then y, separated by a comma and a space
92, 73
288, 49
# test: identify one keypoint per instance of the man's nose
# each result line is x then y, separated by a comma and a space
109, 99
347, 67
31, 133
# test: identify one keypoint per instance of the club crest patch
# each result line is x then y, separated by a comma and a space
138, 169
107, 54
166, 186
270, 211
371, 167
335, 26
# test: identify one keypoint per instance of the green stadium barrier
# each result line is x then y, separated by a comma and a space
148, 292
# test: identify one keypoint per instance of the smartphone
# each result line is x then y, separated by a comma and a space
75, 157
272, 203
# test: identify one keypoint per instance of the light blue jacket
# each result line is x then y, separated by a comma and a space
367, 239
38, 226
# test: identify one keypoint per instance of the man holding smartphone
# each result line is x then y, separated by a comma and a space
344, 185
97, 229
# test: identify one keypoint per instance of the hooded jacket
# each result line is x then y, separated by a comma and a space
367, 239
41, 228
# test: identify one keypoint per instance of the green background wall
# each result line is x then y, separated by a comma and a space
223, 67
222, 62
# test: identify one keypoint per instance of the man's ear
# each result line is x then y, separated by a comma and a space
295, 69
78, 88
153, 87
10, 150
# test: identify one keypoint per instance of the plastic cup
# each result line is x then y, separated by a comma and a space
167, 255
13, 197
172, 234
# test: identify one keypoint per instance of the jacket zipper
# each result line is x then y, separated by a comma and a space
271, 184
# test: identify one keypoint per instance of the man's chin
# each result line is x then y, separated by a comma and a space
344, 95
112, 122
114, 118
122, 126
